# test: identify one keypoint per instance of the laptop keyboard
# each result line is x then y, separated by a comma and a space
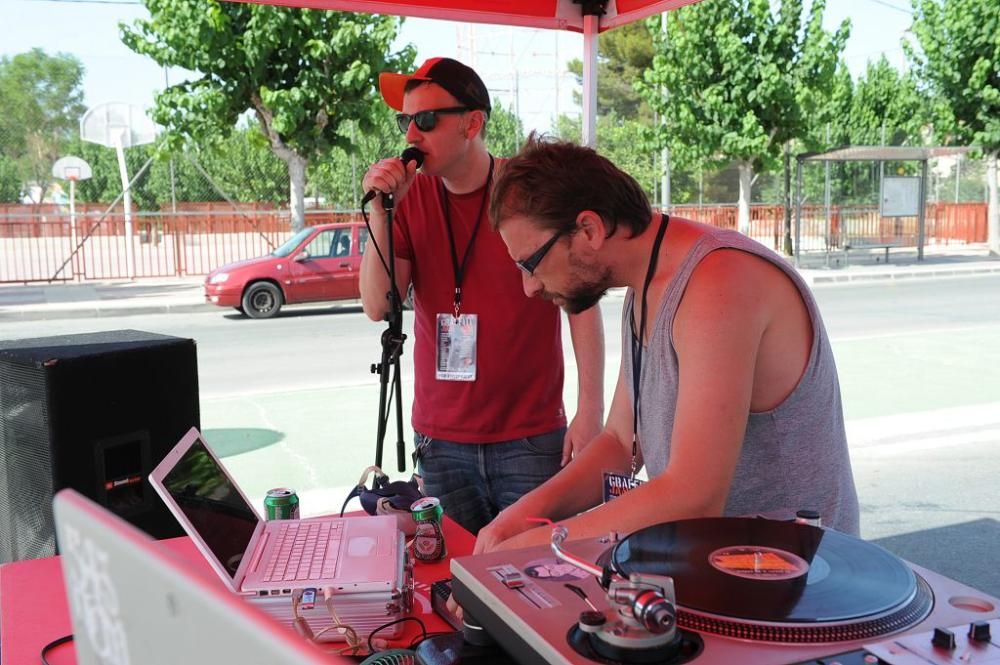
305, 551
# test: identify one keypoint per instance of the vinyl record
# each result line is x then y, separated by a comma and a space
764, 570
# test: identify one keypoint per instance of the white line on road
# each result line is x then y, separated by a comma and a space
940, 428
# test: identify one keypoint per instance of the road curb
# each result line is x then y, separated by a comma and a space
901, 274
12, 314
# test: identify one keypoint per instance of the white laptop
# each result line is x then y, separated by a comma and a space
359, 559
132, 601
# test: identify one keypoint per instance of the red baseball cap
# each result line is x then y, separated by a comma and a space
459, 80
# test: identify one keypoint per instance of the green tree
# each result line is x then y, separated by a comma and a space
41, 104
504, 132
105, 184
10, 180
617, 139
741, 83
336, 178
302, 73
959, 60
886, 108
883, 107
241, 167
622, 56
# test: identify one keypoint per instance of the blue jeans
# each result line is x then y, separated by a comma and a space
475, 481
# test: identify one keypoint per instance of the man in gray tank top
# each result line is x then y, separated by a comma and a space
728, 392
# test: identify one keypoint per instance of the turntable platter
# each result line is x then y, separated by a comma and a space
776, 581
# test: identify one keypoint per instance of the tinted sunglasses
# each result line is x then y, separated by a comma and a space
425, 120
529, 264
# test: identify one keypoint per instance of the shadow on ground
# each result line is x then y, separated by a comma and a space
233, 441
966, 552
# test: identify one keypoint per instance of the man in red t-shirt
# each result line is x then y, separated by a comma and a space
487, 408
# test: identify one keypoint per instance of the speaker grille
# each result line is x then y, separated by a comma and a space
25, 465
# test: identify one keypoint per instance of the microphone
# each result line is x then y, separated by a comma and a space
411, 154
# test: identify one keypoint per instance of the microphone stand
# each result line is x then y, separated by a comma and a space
392, 349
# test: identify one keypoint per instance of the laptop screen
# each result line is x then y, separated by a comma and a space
213, 505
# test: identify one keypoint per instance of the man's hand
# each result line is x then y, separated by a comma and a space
504, 526
389, 176
454, 607
581, 431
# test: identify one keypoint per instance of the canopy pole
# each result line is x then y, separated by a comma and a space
922, 215
591, 25
798, 208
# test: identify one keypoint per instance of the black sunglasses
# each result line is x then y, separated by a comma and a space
529, 264
426, 120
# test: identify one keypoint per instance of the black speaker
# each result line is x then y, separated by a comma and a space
95, 412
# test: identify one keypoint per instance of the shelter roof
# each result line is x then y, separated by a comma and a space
885, 153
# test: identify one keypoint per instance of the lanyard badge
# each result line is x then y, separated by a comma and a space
456, 334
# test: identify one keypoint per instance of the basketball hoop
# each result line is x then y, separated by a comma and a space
116, 123
119, 125
71, 168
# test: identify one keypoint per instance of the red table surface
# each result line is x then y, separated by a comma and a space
34, 611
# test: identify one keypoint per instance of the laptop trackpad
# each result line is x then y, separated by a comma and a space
361, 546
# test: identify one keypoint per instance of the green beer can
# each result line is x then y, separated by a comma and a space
428, 543
281, 504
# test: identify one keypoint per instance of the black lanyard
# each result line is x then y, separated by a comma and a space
460, 269
637, 347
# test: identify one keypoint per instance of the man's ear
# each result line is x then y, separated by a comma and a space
474, 124
591, 226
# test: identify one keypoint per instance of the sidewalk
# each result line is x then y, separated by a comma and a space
107, 298
185, 294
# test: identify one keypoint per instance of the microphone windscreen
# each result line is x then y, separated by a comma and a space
412, 154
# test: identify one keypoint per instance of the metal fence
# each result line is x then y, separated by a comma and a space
40, 244
165, 245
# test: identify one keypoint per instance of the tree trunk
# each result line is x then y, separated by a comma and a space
297, 186
296, 162
993, 214
746, 178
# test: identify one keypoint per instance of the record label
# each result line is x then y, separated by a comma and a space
758, 563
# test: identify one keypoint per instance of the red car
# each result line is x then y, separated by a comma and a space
317, 264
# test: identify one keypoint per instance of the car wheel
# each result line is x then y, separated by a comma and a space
262, 300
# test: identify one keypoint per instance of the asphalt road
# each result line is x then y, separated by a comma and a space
291, 401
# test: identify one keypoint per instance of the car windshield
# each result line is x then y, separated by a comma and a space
289, 245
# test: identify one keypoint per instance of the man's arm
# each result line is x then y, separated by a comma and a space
587, 332
717, 333
388, 175
577, 487
374, 279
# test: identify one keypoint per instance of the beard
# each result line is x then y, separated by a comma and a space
591, 285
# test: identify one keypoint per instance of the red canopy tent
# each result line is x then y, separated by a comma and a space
587, 16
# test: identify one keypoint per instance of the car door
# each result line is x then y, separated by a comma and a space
361, 233
322, 269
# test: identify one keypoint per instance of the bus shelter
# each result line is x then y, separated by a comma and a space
899, 197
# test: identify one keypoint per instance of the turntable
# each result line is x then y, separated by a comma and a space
724, 590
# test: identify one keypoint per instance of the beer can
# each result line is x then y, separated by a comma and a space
281, 504
428, 543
